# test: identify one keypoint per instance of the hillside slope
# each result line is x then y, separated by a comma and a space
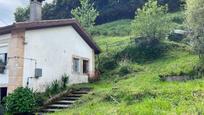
140, 91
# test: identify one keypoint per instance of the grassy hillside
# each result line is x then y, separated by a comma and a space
140, 90
143, 92
116, 28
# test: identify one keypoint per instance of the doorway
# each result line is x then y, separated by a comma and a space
3, 93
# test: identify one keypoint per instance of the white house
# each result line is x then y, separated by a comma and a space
36, 52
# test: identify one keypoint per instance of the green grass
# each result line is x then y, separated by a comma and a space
116, 28
142, 93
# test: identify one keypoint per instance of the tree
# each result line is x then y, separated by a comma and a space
195, 23
22, 14
86, 14
151, 22
109, 10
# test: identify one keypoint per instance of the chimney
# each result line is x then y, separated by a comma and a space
36, 10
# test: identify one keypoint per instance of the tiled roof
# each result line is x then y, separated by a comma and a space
49, 24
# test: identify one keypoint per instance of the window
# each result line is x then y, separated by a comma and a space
85, 66
76, 65
3, 62
3, 58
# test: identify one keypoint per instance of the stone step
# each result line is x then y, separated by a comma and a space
40, 113
70, 98
80, 92
74, 95
50, 110
59, 106
65, 101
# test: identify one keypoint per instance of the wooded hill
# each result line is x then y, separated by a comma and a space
109, 10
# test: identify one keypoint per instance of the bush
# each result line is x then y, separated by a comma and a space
64, 80
149, 48
20, 101
144, 50
107, 63
55, 87
40, 99
198, 70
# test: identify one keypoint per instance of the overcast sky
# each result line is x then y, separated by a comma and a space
7, 9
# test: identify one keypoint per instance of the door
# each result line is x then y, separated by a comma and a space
3, 92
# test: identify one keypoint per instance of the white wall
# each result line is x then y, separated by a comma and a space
54, 48
4, 49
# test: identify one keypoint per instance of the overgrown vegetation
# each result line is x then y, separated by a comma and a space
151, 25
57, 86
142, 92
24, 100
131, 82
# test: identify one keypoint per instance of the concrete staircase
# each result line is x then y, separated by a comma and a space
65, 101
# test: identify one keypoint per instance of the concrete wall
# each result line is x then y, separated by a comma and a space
4, 49
54, 49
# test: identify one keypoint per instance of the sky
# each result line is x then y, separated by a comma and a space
7, 9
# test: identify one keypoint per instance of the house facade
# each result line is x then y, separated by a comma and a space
34, 54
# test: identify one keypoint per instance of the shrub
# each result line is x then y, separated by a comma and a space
107, 63
198, 70
144, 50
57, 86
150, 48
21, 100
64, 80
40, 99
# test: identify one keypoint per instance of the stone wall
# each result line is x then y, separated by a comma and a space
15, 59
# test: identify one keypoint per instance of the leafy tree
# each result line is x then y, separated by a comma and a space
86, 14
22, 14
173, 5
59, 9
195, 23
151, 22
